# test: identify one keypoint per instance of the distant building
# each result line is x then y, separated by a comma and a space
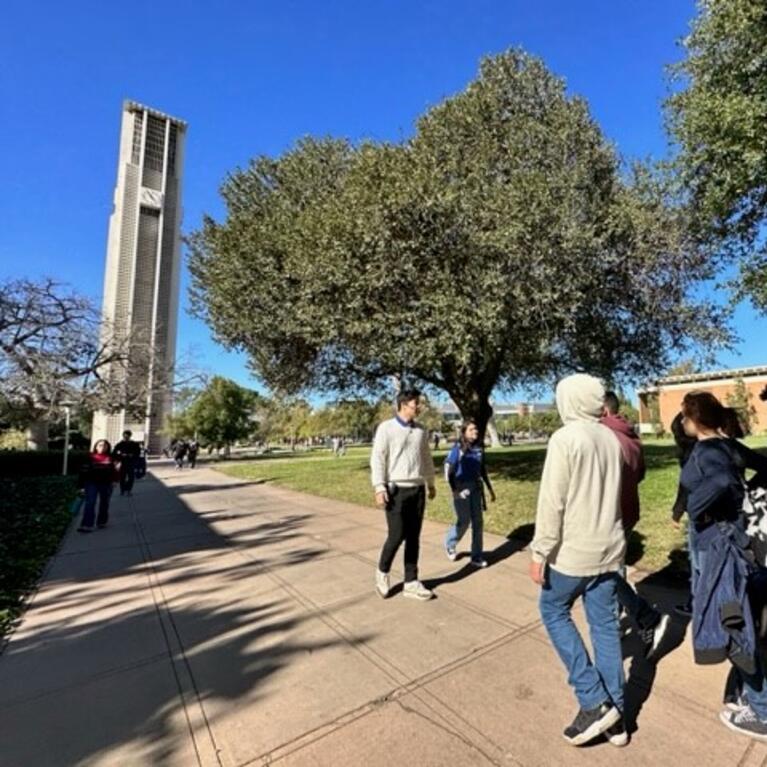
665, 395
141, 280
450, 411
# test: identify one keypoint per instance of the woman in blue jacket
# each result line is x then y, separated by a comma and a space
465, 472
713, 479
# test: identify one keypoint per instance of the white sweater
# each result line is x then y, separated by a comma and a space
401, 454
578, 526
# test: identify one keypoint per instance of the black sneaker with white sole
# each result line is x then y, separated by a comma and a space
746, 722
654, 637
617, 735
590, 723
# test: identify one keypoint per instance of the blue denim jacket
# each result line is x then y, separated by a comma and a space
723, 624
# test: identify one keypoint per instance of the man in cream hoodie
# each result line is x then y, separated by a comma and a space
577, 551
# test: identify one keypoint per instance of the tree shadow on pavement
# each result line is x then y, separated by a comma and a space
210, 488
102, 657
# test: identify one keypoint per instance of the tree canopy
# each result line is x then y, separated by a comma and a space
718, 117
498, 246
219, 415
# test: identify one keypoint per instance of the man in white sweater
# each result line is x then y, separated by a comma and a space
401, 469
577, 551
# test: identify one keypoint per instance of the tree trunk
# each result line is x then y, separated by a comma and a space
492, 433
37, 435
476, 407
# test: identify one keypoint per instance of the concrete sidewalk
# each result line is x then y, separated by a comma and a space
218, 622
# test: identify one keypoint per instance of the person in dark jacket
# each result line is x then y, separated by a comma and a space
97, 477
179, 453
465, 472
722, 620
192, 450
684, 446
652, 624
127, 453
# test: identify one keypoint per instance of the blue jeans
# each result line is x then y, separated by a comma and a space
96, 492
601, 681
469, 512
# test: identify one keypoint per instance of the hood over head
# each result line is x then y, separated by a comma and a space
580, 397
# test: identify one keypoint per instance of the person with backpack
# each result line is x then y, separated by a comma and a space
96, 480
723, 623
465, 472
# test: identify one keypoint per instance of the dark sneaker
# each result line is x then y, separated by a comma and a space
654, 638
617, 735
589, 723
84, 529
481, 563
685, 610
745, 722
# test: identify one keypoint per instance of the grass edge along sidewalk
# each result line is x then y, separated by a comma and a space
34, 515
515, 472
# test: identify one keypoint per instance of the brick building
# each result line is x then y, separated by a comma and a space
669, 392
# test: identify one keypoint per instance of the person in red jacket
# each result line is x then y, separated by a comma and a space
97, 477
652, 625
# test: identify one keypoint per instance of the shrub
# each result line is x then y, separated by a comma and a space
15, 464
34, 514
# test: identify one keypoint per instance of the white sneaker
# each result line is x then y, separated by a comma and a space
382, 583
452, 554
479, 562
416, 590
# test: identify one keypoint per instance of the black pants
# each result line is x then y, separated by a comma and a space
127, 475
404, 517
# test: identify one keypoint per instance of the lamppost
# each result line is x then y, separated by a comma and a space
67, 408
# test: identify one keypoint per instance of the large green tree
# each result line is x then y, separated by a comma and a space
718, 116
498, 246
221, 414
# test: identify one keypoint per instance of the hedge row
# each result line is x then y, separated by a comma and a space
15, 464
34, 514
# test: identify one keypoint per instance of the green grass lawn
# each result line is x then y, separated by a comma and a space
514, 471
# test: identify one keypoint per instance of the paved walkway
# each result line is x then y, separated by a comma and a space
218, 622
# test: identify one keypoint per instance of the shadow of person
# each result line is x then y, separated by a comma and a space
515, 542
641, 673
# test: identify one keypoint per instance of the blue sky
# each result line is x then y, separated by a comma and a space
252, 77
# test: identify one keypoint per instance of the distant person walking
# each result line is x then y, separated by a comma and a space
577, 552
192, 451
127, 454
97, 477
401, 471
652, 624
179, 453
465, 472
